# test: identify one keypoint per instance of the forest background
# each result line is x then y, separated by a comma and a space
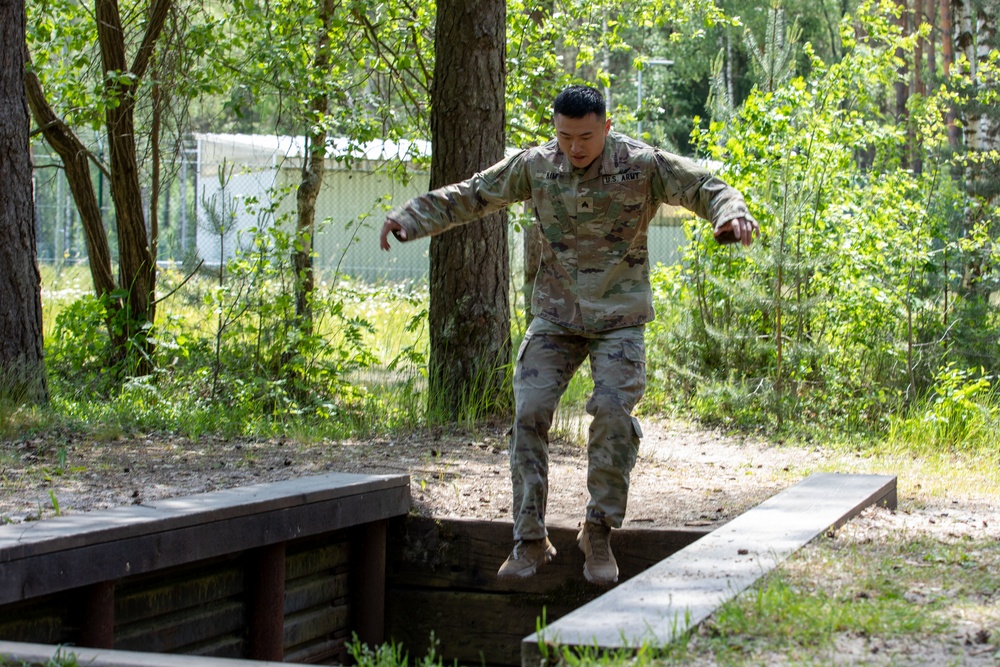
864, 135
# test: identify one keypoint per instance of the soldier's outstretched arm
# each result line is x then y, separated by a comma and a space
682, 182
436, 211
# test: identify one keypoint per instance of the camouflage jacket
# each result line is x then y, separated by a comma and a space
594, 273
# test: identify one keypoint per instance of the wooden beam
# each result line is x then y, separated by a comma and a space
368, 590
667, 600
97, 627
73, 530
80, 550
266, 574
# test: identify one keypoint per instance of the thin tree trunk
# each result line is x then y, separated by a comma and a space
155, 156
918, 50
965, 44
902, 88
832, 28
948, 59
929, 14
975, 36
313, 169
469, 311
729, 70
22, 368
911, 391
917, 88
76, 164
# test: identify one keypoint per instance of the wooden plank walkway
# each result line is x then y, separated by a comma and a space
664, 602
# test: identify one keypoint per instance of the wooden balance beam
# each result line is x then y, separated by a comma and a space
669, 599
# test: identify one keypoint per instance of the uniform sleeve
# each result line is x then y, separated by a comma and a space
680, 181
488, 191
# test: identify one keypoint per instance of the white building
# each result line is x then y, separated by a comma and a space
248, 182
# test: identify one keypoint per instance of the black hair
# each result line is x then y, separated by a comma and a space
578, 101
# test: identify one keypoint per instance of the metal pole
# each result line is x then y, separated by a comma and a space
183, 199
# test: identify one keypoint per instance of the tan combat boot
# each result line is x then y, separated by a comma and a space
526, 558
600, 566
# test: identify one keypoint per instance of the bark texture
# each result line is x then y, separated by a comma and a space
136, 261
469, 266
22, 369
75, 160
136, 243
313, 169
975, 38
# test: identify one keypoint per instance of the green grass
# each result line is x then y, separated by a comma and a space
361, 373
885, 590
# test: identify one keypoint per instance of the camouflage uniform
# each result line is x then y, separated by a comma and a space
591, 295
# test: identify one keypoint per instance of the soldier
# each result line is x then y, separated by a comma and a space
593, 192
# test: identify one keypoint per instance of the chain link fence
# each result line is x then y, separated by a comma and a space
222, 192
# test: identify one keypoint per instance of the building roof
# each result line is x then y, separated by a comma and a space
283, 147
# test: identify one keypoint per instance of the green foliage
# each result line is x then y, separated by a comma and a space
550, 47
78, 350
61, 658
849, 301
869, 277
961, 413
390, 655
225, 363
773, 62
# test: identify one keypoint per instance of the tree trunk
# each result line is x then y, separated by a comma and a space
469, 267
902, 88
948, 59
22, 368
136, 270
75, 160
918, 51
917, 87
136, 262
929, 17
313, 168
975, 37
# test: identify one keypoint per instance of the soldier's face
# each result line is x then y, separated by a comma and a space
582, 139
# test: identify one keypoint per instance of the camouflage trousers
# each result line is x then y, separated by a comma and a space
546, 361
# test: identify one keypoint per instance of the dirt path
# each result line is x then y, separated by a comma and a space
685, 475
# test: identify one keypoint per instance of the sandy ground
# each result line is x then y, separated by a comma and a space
685, 476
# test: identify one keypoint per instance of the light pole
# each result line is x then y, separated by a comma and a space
638, 107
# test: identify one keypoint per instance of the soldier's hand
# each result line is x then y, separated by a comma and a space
393, 227
745, 229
